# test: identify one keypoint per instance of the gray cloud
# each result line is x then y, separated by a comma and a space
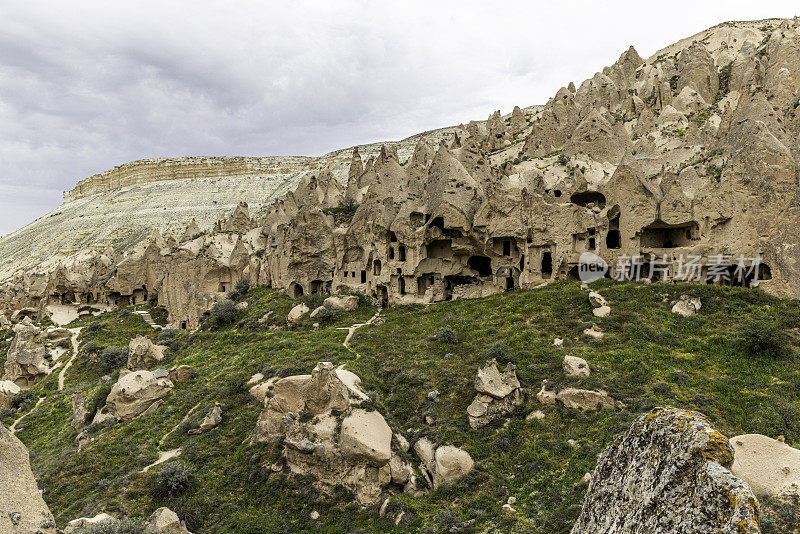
87, 85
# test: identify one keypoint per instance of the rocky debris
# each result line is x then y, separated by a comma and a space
597, 300
769, 466
25, 362
79, 411
7, 391
144, 354
535, 415
266, 317
442, 465
575, 367
315, 313
558, 342
210, 421
135, 394
668, 473
55, 333
344, 303
602, 311
508, 509
83, 522
296, 313
595, 332
181, 373
165, 521
498, 394
686, 306
577, 399
326, 437
23, 509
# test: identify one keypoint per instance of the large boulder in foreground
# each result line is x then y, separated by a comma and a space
26, 362
769, 466
668, 473
22, 509
135, 394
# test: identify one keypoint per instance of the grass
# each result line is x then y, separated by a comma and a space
649, 357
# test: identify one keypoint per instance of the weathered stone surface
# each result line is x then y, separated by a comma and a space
597, 300
342, 303
210, 421
498, 394
451, 463
668, 473
366, 435
490, 382
7, 391
181, 373
25, 362
686, 306
23, 509
143, 353
578, 399
575, 367
594, 331
165, 521
79, 411
769, 466
296, 313
135, 393
82, 522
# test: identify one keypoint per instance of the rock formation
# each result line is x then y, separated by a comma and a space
498, 394
769, 466
687, 307
135, 394
577, 399
668, 473
7, 391
25, 363
143, 353
22, 509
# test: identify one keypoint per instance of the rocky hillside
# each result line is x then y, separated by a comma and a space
530, 429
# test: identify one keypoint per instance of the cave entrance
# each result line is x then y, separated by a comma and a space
295, 290
547, 264
662, 235
481, 264
588, 199
613, 239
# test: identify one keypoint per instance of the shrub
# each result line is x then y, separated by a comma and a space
242, 285
224, 312
167, 336
762, 337
98, 401
152, 299
497, 351
94, 327
113, 358
114, 526
326, 315
23, 400
91, 346
445, 334
173, 479
563, 160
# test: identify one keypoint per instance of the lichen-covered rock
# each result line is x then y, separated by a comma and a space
143, 353
22, 509
25, 363
668, 473
135, 394
575, 367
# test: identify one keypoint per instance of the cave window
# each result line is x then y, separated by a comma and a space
613, 239
509, 283
592, 243
547, 265
402, 252
481, 264
363, 276
557, 193
661, 235
295, 290
438, 222
391, 253
764, 272
588, 198
376, 267
392, 237
402, 286
345, 274
222, 287
507, 248
183, 325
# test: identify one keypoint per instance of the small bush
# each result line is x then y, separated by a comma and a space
445, 334
91, 347
224, 312
94, 327
497, 351
173, 479
114, 526
152, 299
167, 336
242, 285
326, 315
23, 400
113, 358
98, 401
762, 337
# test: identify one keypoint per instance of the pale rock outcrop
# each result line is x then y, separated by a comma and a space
595, 332
575, 367
7, 391
597, 300
366, 435
25, 362
83, 522
79, 411
687, 306
210, 421
602, 311
498, 394
297, 313
135, 394
144, 354
23, 509
769, 466
181, 373
451, 463
577, 399
165, 521
344, 303
668, 473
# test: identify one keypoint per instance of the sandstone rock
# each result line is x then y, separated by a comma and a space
143, 353
668, 473
7, 391
595, 331
24, 510
135, 394
575, 367
490, 382
165, 521
597, 300
181, 373
769, 466
498, 394
687, 307
314, 314
25, 362
508, 509
578, 399
345, 303
558, 342
451, 463
83, 522
296, 313
366, 435
425, 451
210, 421
535, 415
79, 411
602, 311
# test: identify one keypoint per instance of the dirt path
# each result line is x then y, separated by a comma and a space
164, 456
352, 330
13, 427
75, 333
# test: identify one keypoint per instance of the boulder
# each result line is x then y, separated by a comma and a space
687, 307
136, 393
497, 396
575, 367
578, 399
668, 473
602, 311
181, 373
23, 509
314, 314
597, 300
595, 332
55, 333
366, 435
342, 303
164, 521
768, 465
25, 363
490, 382
83, 522
210, 421
7, 391
296, 313
144, 354
451, 463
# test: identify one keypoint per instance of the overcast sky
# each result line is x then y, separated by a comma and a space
86, 85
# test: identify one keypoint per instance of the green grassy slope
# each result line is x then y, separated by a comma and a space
649, 357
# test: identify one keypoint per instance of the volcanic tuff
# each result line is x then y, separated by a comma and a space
693, 151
